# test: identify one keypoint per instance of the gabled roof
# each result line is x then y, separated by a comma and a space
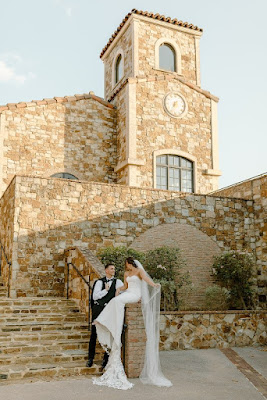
149, 15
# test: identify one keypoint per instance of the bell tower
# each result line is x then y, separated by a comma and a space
166, 123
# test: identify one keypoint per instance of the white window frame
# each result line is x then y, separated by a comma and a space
179, 153
177, 51
116, 55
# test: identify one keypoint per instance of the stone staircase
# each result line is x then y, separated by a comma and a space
43, 338
3, 289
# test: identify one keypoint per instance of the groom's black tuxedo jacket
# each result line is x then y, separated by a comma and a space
99, 305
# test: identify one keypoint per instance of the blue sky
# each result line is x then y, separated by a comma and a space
51, 48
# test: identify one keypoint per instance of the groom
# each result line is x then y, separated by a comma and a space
104, 290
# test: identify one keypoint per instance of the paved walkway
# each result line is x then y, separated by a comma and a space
209, 374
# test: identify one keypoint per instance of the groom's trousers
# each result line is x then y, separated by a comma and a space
92, 344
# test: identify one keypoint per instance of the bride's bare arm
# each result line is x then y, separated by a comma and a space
146, 278
124, 287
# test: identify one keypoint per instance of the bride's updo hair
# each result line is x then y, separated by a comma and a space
130, 260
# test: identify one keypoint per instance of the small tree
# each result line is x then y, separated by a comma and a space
234, 270
117, 256
164, 265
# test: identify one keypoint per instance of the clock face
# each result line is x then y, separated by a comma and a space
175, 104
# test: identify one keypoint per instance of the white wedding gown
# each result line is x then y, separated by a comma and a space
109, 326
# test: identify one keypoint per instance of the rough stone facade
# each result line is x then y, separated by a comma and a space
156, 131
203, 330
135, 340
256, 190
7, 236
149, 33
76, 136
52, 215
117, 140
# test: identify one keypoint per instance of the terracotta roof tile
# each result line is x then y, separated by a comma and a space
149, 15
21, 105
76, 97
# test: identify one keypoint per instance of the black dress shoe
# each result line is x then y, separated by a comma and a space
89, 363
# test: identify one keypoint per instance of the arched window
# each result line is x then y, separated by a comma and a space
174, 173
118, 69
167, 57
64, 175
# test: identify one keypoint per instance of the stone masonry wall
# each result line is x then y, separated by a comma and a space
135, 340
156, 130
149, 33
221, 329
124, 43
54, 214
255, 189
7, 215
47, 137
121, 104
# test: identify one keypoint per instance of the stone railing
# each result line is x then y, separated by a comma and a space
181, 330
89, 267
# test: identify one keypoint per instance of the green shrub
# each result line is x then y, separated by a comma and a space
117, 257
162, 264
234, 270
217, 298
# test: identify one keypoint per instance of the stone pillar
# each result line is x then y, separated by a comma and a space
135, 340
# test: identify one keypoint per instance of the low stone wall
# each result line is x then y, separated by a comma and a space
181, 330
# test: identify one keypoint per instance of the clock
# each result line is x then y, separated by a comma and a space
175, 105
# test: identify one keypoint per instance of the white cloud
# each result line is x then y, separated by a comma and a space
68, 11
8, 69
8, 74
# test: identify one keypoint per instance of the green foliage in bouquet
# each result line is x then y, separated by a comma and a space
234, 270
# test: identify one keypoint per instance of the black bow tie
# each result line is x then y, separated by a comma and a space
109, 279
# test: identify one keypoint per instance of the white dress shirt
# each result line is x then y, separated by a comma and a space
98, 293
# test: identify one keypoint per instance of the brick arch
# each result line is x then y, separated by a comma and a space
197, 249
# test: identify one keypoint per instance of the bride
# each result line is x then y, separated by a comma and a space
137, 285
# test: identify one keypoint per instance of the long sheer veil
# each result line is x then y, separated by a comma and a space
151, 373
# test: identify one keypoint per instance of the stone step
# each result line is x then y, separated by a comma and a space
32, 308
37, 302
43, 337
3, 291
62, 318
62, 356
37, 311
45, 346
17, 336
51, 370
31, 326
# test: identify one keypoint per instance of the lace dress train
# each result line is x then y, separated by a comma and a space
109, 326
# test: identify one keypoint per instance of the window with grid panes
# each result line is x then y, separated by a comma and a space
174, 173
